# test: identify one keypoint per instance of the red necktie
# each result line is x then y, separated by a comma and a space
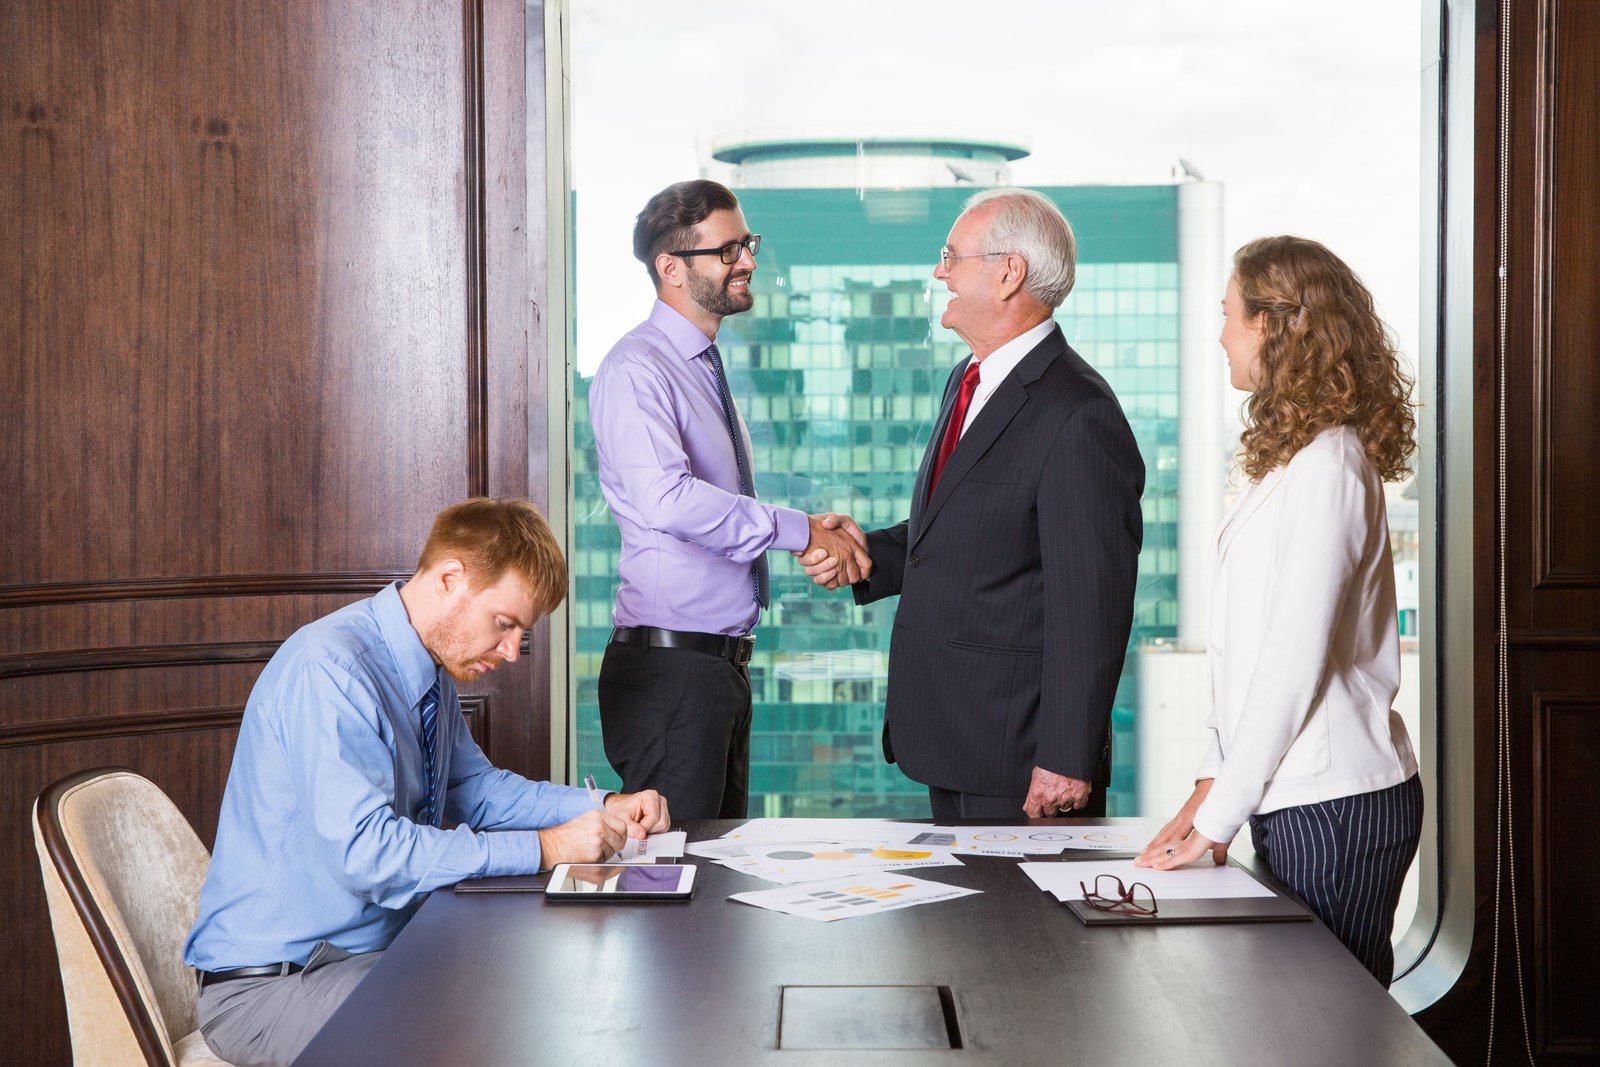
958, 415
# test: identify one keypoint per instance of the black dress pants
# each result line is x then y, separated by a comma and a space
677, 720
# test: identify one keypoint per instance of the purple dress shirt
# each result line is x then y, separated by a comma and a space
668, 471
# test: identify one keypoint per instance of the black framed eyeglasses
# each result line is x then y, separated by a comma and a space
1109, 894
948, 256
728, 252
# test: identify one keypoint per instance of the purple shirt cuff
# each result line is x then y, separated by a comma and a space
794, 529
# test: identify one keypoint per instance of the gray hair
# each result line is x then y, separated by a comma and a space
1030, 224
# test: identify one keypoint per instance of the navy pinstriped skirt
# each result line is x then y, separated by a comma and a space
1347, 858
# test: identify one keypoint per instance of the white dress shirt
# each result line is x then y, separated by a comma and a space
992, 370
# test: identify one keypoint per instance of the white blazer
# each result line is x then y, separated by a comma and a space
1304, 641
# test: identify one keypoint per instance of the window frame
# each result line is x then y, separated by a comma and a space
1434, 951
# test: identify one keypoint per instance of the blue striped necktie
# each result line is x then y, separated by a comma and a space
430, 748
746, 485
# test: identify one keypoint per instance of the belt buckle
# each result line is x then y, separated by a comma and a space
743, 650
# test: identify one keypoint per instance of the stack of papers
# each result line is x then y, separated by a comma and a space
848, 867
868, 843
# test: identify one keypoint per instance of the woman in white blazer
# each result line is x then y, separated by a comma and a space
1304, 642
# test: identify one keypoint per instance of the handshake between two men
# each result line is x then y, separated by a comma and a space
837, 552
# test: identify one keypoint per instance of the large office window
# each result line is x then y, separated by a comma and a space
852, 133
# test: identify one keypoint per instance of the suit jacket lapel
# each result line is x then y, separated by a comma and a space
997, 413
1245, 507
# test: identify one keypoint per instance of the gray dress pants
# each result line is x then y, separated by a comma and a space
266, 1022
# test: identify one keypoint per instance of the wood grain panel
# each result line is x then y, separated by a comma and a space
244, 339
517, 353
22, 596
266, 267
1568, 305
1567, 875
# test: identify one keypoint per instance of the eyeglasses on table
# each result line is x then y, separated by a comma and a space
1109, 894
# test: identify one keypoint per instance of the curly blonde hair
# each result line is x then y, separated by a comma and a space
1326, 359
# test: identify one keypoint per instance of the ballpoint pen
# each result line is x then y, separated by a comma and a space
598, 799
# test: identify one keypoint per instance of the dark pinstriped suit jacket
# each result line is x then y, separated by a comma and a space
1016, 584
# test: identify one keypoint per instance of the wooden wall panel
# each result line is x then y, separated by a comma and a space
1567, 309
264, 312
1553, 454
1566, 729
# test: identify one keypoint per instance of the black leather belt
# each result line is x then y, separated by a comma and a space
269, 970
737, 649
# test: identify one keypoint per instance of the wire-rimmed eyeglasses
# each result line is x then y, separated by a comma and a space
728, 252
948, 256
1109, 894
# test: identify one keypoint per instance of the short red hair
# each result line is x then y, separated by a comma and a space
491, 536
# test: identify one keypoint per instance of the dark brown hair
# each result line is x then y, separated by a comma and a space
668, 221
1326, 359
491, 536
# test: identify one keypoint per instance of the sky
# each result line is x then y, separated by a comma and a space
1310, 116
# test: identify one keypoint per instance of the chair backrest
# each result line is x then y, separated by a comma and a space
122, 873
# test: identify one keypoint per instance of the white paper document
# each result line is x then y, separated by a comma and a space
812, 861
847, 898
717, 848
1124, 835
992, 840
652, 847
1198, 881
734, 847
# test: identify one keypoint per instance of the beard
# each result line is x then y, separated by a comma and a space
453, 649
715, 297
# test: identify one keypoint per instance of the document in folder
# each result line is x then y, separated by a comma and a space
1199, 893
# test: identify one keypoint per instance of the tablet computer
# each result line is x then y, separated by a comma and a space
597, 882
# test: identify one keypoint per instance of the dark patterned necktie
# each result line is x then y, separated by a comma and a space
746, 485
430, 749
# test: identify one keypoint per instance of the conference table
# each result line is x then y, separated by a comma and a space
1008, 975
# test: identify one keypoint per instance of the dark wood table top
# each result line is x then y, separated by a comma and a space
505, 978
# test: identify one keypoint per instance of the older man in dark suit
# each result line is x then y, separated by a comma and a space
1016, 568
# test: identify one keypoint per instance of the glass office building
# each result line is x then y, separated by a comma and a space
839, 370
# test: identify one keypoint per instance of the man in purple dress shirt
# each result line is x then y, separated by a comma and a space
675, 468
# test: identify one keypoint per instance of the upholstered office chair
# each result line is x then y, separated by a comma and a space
122, 873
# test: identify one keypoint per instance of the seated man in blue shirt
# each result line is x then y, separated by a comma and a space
352, 748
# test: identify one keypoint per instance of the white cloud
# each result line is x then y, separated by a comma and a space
1310, 115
